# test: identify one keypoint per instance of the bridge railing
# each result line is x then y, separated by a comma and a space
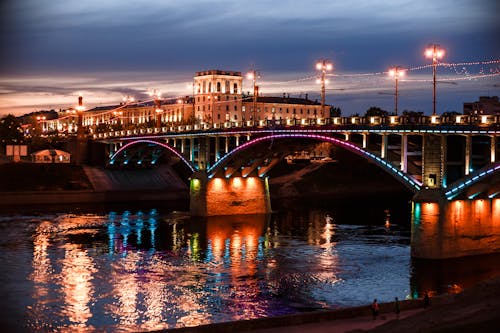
415, 120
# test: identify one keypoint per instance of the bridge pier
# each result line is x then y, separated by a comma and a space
446, 229
228, 196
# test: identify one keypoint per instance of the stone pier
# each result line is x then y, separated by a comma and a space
442, 228
228, 196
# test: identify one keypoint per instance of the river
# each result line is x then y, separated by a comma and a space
137, 268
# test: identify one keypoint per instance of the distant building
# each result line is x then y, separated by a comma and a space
485, 106
218, 98
51, 156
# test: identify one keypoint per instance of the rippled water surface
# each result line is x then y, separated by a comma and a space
149, 268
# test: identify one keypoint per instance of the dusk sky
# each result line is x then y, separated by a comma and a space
54, 49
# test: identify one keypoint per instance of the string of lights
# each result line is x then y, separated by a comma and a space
460, 69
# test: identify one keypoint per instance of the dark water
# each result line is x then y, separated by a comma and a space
142, 268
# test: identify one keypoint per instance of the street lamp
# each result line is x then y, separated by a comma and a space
181, 101
434, 52
40, 120
80, 108
156, 94
323, 65
396, 73
254, 75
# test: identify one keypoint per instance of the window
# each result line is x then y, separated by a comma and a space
228, 87
242, 108
203, 98
204, 87
218, 86
198, 99
286, 110
227, 107
235, 108
209, 86
235, 88
235, 117
218, 116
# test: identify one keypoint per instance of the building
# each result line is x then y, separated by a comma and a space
485, 106
218, 99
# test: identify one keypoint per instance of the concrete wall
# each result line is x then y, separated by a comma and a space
447, 229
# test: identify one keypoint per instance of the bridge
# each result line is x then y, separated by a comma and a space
450, 165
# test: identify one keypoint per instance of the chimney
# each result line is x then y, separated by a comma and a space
307, 96
80, 100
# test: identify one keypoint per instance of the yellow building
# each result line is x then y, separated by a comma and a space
218, 99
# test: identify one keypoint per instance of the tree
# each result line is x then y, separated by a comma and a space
375, 111
10, 130
335, 111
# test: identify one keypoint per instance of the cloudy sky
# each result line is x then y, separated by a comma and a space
54, 49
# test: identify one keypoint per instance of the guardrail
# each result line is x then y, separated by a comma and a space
482, 120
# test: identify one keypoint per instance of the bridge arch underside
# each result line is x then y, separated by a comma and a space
483, 183
148, 154
258, 156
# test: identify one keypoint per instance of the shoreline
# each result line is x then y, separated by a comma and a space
89, 196
475, 307
321, 316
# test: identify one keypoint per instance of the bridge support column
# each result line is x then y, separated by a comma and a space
365, 140
404, 152
493, 153
183, 145
204, 153
217, 149
432, 161
233, 196
226, 145
468, 153
446, 229
191, 149
383, 146
346, 136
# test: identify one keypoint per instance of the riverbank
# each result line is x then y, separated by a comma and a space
475, 309
26, 198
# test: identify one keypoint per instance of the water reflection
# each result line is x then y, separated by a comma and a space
145, 269
452, 275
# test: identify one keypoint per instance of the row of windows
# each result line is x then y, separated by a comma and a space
205, 99
308, 111
206, 88
218, 108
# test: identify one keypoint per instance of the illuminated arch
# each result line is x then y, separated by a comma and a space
164, 145
463, 184
404, 178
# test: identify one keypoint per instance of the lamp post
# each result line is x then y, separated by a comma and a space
79, 109
396, 73
434, 52
156, 94
181, 101
323, 66
253, 75
80, 134
40, 120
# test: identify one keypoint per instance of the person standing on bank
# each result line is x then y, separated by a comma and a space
375, 309
396, 307
426, 299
